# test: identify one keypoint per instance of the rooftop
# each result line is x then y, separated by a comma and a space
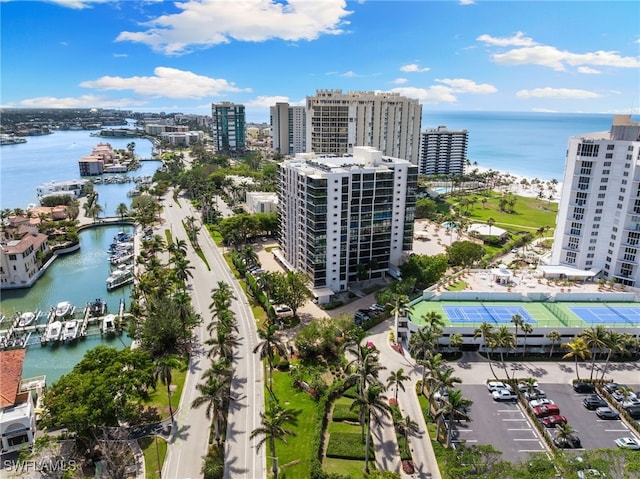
10, 375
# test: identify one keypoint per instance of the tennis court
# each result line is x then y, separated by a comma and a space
607, 314
489, 314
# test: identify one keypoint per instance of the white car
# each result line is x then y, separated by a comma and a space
504, 395
525, 386
540, 402
632, 402
495, 385
589, 473
628, 443
534, 394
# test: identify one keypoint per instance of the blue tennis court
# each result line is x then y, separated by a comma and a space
490, 314
607, 314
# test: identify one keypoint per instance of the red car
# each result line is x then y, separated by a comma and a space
546, 410
553, 421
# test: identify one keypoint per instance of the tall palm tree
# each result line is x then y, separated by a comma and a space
578, 348
122, 210
485, 330
164, 366
526, 329
555, 337
371, 405
444, 380
490, 223
407, 427
456, 341
503, 339
518, 321
221, 297
433, 320
615, 342
270, 344
596, 339
214, 392
223, 344
273, 424
397, 379
454, 407
564, 431
397, 305
422, 345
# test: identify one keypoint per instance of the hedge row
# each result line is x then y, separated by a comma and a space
347, 445
343, 412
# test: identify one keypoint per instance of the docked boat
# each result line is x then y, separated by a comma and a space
121, 258
64, 309
54, 330
70, 330
26, 319
119, 277
108, 324
97, 308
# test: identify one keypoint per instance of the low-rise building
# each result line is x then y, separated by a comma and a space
20, 259
69, 187
261, 202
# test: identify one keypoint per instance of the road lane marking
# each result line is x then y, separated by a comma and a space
515, 419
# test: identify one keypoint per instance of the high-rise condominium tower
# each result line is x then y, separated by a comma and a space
346, 218
228, 127
337, 122
598, 223
288, 129
442, 151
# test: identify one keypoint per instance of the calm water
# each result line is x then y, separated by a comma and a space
528, 144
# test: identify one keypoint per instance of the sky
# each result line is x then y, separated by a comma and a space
181, 56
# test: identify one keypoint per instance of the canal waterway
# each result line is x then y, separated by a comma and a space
78, 277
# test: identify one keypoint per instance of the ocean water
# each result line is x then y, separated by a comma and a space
527, 144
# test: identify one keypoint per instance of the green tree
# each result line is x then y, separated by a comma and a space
425, 270
555, 338
578, 348
464, 253
596, 339
273, 428
454, 407
526, 329
214, 392
517, 321
397, 379
407, 427
270, 344
163, 369
122, 210
614, 342
503, 339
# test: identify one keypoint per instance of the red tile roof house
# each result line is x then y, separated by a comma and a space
17, 408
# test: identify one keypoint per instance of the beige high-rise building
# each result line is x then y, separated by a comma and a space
288, 129
337, 122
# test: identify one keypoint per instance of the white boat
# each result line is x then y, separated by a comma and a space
54, 330
108, 324
64, 309
119, 277
121, 258
26, 319
70, 330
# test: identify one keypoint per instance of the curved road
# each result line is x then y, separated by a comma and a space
188, 442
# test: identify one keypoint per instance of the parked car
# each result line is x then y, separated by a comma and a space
619, 396
593, 402
582, 387
546, 410
523, 387
540, 402
441, 395
628, 443
630, 403
377, 307
495, 385
535, 394
283, 309
553, 421
504, 395
589, 473
607, 413
611, 387
633, 411
570, 442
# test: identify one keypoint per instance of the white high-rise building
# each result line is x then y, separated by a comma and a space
443, 151
598, 222
337, 122
288, 129
346, 218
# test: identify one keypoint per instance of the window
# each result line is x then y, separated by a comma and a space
603, 188
571, 257
604, 180
597, 218
607, 163
606, 172
601, 195
610, 147
599, 203
609, 155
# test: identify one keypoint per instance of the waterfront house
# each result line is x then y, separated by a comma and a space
71, 187
17, 402
20, 258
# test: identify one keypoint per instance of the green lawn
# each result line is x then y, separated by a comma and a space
159, 399
352, 469
152, 454
530, 213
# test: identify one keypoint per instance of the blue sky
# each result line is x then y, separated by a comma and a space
572, 56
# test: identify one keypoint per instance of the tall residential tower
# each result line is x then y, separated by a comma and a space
337, 122
228, 127
442, 151
288, 129
598, 223
346, 218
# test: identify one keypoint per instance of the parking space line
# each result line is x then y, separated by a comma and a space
515, 419
617, 430
520, 429
527, 439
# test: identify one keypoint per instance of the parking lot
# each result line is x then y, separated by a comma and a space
502, 424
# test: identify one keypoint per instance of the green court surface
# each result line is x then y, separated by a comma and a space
538, 314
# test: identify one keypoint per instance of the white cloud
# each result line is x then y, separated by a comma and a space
463, 85
120, 55
84, 101
413, 67
350, 74
167, 82
77, 4
432, 94
558, 93
204, 23
544, 110
399, 81
588, 71
266, 101
466, 2
559, 59
518, 40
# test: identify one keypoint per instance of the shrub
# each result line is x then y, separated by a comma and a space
283, 365
347, 445
343, 412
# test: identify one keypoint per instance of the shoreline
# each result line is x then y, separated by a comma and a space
523, 185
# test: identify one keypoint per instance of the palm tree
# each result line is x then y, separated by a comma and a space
526, 329
164, 366
422, 345
444, 380
555, 337
433, 320
518, 321
371, 405
397, 379
223, 344
397, 306
122, 210
248, 256
490, 222
214, 393
272, 428
453, 407
503, 339
577, 349
596, 340
221, 297
456, 341
486, 331
614, 342
270, 344
564, 432
407, 427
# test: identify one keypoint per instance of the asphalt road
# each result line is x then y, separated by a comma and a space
189, 438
